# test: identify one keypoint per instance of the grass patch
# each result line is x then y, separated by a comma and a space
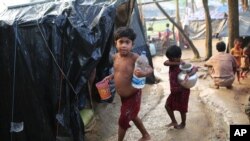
158, 26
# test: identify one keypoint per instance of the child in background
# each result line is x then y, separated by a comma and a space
124, 62
179, 96
236, 51
245, 64
166, 38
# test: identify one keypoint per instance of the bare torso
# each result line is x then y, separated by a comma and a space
237, 52
124, 68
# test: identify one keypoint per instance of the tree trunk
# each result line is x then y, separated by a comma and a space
193, 6
233, 22
195, 51
246, 4
141, 12
178, 21
173, 29
208, 30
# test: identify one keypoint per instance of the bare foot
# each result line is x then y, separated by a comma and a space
145, 138
180, 126
242, 76
172, 124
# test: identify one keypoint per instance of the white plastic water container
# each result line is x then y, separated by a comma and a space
138, 82
141, 63
152, 49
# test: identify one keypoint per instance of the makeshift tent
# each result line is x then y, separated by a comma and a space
195, 21
244, 26
218, 14
151, 11
197, 29
47, 54
197, 24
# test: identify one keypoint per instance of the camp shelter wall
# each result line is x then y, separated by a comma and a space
197, 28
140, 43
197, 23
47, 53
244, 26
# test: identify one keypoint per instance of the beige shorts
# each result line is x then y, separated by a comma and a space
225, 81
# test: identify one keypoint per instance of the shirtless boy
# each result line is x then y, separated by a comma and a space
124, 61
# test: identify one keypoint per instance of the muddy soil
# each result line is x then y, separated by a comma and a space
210, 111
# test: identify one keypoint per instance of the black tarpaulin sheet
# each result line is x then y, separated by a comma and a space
140, 41
47, 53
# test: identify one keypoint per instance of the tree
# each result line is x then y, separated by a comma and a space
193, 5
223, 1
233, 22
208, 30
195, 51
178, 21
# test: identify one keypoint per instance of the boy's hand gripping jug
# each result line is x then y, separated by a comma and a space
142, 64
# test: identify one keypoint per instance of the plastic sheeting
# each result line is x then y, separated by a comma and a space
244, 26
197, 29
141, 40
47, 54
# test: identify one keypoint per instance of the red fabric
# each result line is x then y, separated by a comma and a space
167, 33
179, 96
129, 109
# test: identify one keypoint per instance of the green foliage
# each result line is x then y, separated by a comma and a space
223, 1
158, 26
182, 3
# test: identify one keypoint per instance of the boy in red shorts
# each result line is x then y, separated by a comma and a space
179, 96
124, 62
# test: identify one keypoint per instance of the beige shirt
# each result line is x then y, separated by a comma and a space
222, 65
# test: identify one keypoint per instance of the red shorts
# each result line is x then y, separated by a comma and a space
129, 109
178, 101
178, 98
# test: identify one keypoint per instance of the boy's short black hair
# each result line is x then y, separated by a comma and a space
221, 46
238, 39
173, 52
124, 32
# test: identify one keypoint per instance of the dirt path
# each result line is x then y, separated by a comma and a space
210, 111
107, 114
199, 124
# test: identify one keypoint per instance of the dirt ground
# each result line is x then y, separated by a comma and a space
211, 111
